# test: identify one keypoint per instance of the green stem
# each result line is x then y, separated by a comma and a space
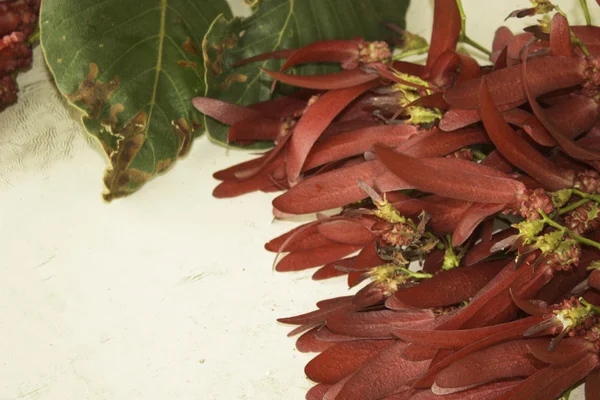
415, 52
464, 38
415, 275
573, 206
586, 12
567, 231
590, 306
593, 197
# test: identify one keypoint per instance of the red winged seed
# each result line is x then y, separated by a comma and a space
366, 258
530, 125
482, 250
333, 51
308, 342
450, 287
381, 376
486, 392
346, 232
471, 218
228, 189
342, 359
567, 144
357, 142
434, 100
305, 259
314, 121
516, 149
499, 284
229, 173
336, 301
568, 351
285, 106
508, 360
455, 118
594, 279
337, 188
430, 176
469, 68
546, 74
446, 30
551, 382
318, 316
457, 339
325, 334
574, 116
444, 216
331, 270
408, 68
317, 392
502, 38
299, 234
224, 112
428, 378
334, 81
592, 383
255, 128
560, 36
531, 307
375, 324
442, 143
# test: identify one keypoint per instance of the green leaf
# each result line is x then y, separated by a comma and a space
132, 67
284, 24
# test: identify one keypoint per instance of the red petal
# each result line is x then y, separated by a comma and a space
560, 36
334, 81
546, 75
516, 150
314, 121
450, 182
446, 30
450, 287
310, 258
310, 343
342, 359
458, 339
383, 375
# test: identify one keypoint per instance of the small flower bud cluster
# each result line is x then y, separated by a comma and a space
18, 20
530, 202
592, 73
8, 90
398, 234
372, 52
577, 318
584, 219
565, 257
588, 181
464, 154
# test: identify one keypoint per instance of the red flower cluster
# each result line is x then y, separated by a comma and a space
18, 20
427, 163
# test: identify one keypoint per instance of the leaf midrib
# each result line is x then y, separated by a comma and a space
159, 60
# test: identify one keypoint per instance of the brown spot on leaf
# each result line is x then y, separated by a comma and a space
190, 47
240, 78
162, 165
187, 64
216, 66
94, 93
185, 136
118, 175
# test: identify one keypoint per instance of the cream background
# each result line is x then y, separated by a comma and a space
165, 295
